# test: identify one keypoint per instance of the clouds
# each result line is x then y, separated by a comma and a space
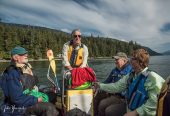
141, 21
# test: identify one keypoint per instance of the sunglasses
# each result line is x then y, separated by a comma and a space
77, 36
132, 58
116, 59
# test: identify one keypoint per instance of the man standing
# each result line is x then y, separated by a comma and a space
74, 53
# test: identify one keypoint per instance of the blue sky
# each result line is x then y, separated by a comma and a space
145, 21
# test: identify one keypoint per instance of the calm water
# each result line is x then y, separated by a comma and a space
102, 68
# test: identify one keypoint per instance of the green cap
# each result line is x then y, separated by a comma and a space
18, 50
120, 55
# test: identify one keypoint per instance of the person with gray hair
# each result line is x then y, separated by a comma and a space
142, 87
74, 53
104, 102
16, 79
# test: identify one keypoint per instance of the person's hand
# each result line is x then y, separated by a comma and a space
96, 85
69, 67
132, 113
39, 99
96, 88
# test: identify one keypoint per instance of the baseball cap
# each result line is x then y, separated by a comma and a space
120, 55
18, 50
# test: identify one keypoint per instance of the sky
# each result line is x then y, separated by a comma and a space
146, 22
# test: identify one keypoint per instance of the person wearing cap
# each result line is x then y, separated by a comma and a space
15, 79
74, 53
142, 87
104, 102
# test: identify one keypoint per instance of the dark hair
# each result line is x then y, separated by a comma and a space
142, 56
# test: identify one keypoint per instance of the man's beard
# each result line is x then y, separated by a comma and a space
25, 60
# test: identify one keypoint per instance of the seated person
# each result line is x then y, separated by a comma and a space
142, 87
163, 107
13, 85
106, 101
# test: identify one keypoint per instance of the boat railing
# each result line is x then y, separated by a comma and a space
66, 74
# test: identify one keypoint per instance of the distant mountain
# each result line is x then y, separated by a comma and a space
38, 39
166, 52
151, 52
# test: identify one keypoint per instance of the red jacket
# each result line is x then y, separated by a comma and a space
82, 75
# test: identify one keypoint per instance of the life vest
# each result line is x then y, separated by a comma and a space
136, 94
117, 74
163, 107
75, 57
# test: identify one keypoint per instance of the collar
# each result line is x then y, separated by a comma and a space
144, 71
124, 66
26, 68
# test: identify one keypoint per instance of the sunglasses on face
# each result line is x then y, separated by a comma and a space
116, 59
77, 36
133, 58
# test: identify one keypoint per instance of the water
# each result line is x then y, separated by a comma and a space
161, 65
102, 68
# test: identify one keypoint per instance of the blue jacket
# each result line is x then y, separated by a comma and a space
116, 74
13, 91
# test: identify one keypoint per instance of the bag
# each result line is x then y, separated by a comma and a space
37, 94
163, 107
82, 75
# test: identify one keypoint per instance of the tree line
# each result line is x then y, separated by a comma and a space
38, 39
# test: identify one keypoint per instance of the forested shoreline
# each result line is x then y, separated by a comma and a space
38, 39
